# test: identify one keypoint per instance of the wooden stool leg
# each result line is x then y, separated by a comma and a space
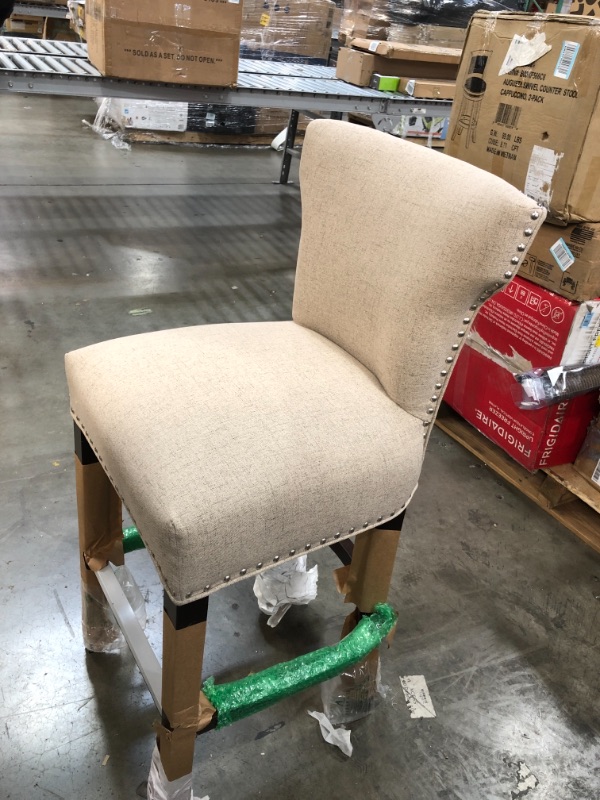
184, 633
366, 582
370, 574
99, 514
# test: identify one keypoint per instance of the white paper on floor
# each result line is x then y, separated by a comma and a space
417, 696
280, 588
340, 737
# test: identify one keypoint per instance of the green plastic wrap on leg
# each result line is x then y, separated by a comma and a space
240, 699
132, 540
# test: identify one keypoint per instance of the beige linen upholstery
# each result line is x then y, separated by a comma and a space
236, 446
233, 444
397, 243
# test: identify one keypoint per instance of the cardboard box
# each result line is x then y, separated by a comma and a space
357, 66
582, 8
411, 52
427, 34
527, 108
301, 28
566, 260
442, 90
587, 462
148, 115
30, 26
77, 17
165, 41
521, 327
59, 30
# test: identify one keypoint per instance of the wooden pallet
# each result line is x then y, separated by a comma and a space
193, 137
560, 491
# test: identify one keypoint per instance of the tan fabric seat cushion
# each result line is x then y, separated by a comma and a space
234, 444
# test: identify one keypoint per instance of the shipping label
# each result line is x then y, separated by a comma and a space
562, 255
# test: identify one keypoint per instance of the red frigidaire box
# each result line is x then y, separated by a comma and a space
522, 327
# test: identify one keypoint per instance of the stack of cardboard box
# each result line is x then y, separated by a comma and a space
528, 109
419, 70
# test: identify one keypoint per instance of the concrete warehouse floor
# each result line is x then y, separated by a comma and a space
499, 605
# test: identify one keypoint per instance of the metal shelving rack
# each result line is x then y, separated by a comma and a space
38, 66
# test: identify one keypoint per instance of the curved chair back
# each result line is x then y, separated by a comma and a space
399, 245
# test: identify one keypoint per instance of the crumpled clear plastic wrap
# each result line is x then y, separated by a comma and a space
543, 387
284, 586
375, 19
160, 788
240, 699
354, 693
101, 631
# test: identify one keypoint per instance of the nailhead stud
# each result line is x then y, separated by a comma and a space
243, 571
508, 274
337, 535
430, 410
474, 307
461, 333
227, 578
323, 541
450, 359
466, 320
379, 519
259, 565
455, 347
443, 373
520, 248
535, 215
528, 232
438, 386
434, 398
307, 546
275, 559
292, 552
426, 422
514, 260
351, 530
207, 587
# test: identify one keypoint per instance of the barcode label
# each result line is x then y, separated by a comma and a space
562, 255
373, 46
587, 320
596, 475
566, 60
210, 119
508, 115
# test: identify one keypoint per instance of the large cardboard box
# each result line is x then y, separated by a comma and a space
405, 61
566, 260
300, 28
521, 327
30, 26
165, 41
587, 462
527, 108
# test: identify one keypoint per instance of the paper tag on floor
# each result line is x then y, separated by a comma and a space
417, 696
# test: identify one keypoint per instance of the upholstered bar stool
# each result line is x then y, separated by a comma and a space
237, 447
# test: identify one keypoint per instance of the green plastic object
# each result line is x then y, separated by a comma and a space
238, 699
132, 540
